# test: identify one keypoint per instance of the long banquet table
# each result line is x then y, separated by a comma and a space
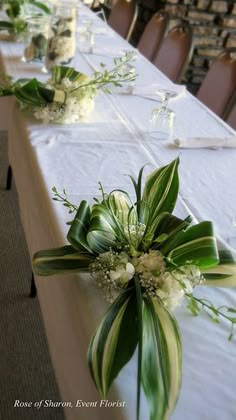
112, 143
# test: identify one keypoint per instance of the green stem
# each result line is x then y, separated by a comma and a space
140, 342
100, 81
209, 306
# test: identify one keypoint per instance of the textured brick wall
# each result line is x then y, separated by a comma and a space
213, 23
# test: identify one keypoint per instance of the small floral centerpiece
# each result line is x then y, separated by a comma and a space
146, 261
68, 96
15, 10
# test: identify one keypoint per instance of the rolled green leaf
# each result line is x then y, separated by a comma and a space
196, 245
105, 230
114, 342
224, 274
30, 94
61, 72
60, 260
162, 359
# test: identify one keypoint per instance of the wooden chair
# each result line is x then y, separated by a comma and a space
123, 17
153, 34
219, 84
175, 52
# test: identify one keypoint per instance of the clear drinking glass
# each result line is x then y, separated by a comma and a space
161, 123
86, 37
62, 40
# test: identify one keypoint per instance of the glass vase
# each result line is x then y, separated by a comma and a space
61, 46
36, 39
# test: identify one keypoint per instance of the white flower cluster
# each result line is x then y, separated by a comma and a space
79, 102
114, 270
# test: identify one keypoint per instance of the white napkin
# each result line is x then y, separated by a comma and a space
205, 142
107, 52
149, 91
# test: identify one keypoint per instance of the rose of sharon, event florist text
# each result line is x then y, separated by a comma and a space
102, 403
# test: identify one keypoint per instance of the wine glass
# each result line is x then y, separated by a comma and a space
166, 95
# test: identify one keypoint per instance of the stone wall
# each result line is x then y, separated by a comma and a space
213, 23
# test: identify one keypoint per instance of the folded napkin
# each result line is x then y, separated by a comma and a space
149, 91
205, 142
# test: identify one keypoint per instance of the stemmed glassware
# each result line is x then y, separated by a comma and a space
161, 123
166, 95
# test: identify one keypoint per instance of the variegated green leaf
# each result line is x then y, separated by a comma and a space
171, 224
114, 342
162, 359
166, 225
77, 235
161, 191
60, 260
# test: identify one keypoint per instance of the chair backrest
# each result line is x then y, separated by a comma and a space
219, 84
123, 17
153, 34
231, 119
175, 52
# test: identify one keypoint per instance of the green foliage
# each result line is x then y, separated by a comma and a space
114, 224
31, 92
195, 305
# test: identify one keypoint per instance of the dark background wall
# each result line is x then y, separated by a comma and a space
213, 23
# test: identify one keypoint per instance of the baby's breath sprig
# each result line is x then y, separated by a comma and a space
195, 305
64, 200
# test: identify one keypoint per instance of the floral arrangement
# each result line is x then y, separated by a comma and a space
68, 96
62, 43
146, 261
15, 11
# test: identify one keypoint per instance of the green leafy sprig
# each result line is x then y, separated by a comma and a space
116, 76
62, 198
32, 92
195, 305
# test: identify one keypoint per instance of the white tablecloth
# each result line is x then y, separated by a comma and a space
111, 144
